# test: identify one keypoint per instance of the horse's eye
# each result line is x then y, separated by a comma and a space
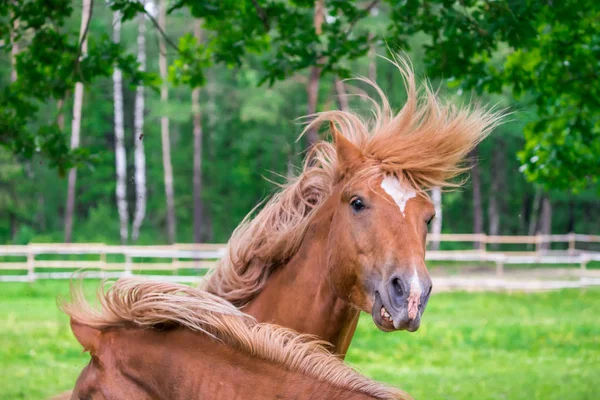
429, 221
357, 204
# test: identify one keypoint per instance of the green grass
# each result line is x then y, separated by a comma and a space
470, 346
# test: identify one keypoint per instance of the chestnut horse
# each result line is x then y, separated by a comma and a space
168, 341
349, 233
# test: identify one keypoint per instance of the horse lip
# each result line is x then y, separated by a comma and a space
379, 322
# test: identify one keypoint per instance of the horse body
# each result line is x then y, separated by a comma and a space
153, 340
182, 365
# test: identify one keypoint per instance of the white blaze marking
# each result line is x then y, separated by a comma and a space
401, 195
414, 296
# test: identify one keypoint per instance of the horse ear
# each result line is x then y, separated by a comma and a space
87, 336
349, 156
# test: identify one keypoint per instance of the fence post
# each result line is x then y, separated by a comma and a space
102, 263
30, 266
571, 243
483, 243
500, 267
582, 267
128, 265
538, 244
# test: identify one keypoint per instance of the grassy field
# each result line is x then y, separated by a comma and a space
470, 346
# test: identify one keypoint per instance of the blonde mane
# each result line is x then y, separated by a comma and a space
148, 304
424, 144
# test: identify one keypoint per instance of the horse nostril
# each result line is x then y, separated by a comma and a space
429, 291
397, 285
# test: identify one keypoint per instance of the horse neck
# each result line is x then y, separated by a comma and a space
298, 295
191, 365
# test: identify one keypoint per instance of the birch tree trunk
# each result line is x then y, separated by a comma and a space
138, 132
164, 126
120, 158
86, 14
315, 74
477, 207
198, 206
436, 224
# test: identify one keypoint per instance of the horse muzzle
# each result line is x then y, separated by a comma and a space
400, 303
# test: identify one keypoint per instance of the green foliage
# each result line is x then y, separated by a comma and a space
550, 51
507, 48
560, 68
47, 69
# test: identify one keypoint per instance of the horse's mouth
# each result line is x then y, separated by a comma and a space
381, 316
389, 319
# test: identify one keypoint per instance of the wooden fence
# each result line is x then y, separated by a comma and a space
36, 261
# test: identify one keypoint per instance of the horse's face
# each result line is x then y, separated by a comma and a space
376, 248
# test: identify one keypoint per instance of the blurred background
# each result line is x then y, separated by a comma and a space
162, 123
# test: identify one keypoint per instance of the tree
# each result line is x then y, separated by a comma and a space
86, 14
436, 227
312, 89
546, 219
120, 157
40, 30
477, 201
497, 172
197, 116
138, 136
164, 126
548, 51
14, 51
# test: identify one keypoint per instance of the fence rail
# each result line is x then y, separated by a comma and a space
27, 262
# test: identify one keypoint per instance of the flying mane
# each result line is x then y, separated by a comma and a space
149, 304
424, 145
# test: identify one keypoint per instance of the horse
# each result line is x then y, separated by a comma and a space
349, 233
153, 340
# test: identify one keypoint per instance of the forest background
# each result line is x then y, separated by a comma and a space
205, 125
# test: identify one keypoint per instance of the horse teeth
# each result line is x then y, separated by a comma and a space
384, 314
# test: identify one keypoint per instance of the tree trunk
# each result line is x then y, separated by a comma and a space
138, 128
372, 58
477, 207
76, 125
342, 98
209, 140
496, 190
571, 215
14, 50
120, 158
546, 220
533, 221
60, 120
41, 212
312, 89
436, 227
198, 206
14, 226
164, 126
